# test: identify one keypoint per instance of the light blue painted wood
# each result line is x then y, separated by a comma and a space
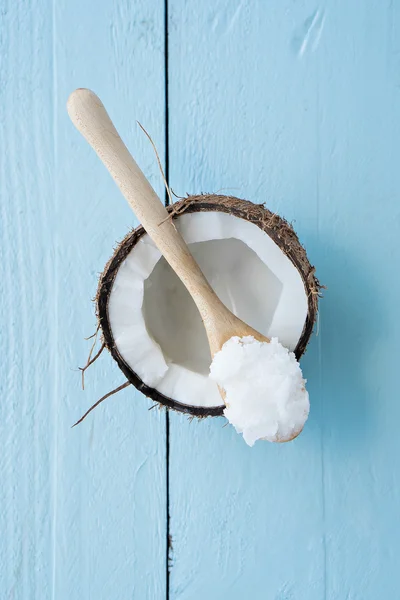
297, 104
27, 340
83, 510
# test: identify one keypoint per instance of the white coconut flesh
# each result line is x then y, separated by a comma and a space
155, 323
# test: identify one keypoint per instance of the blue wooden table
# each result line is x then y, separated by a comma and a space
296, 104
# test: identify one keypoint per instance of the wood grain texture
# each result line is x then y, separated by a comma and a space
27, 338
297, 105
83, 510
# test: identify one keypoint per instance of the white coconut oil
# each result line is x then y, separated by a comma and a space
264, 386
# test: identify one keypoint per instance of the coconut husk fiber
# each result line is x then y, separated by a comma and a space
281, 232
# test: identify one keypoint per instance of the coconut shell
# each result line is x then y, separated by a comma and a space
275, 226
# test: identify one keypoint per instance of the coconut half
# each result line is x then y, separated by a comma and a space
256, 265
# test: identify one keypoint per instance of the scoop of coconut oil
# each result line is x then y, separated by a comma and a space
264, 386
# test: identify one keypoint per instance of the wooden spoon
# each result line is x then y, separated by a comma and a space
90, 117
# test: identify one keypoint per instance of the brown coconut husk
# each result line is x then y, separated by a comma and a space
272, 224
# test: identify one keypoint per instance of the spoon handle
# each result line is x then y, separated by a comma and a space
90, 118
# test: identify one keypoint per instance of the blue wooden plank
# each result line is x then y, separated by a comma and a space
359, 253
296, 104
115, 463
84, 508
28, 325
246, 522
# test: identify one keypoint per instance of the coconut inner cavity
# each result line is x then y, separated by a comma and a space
156, 325
238, 277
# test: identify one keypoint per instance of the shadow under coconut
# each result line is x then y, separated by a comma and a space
338, 361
